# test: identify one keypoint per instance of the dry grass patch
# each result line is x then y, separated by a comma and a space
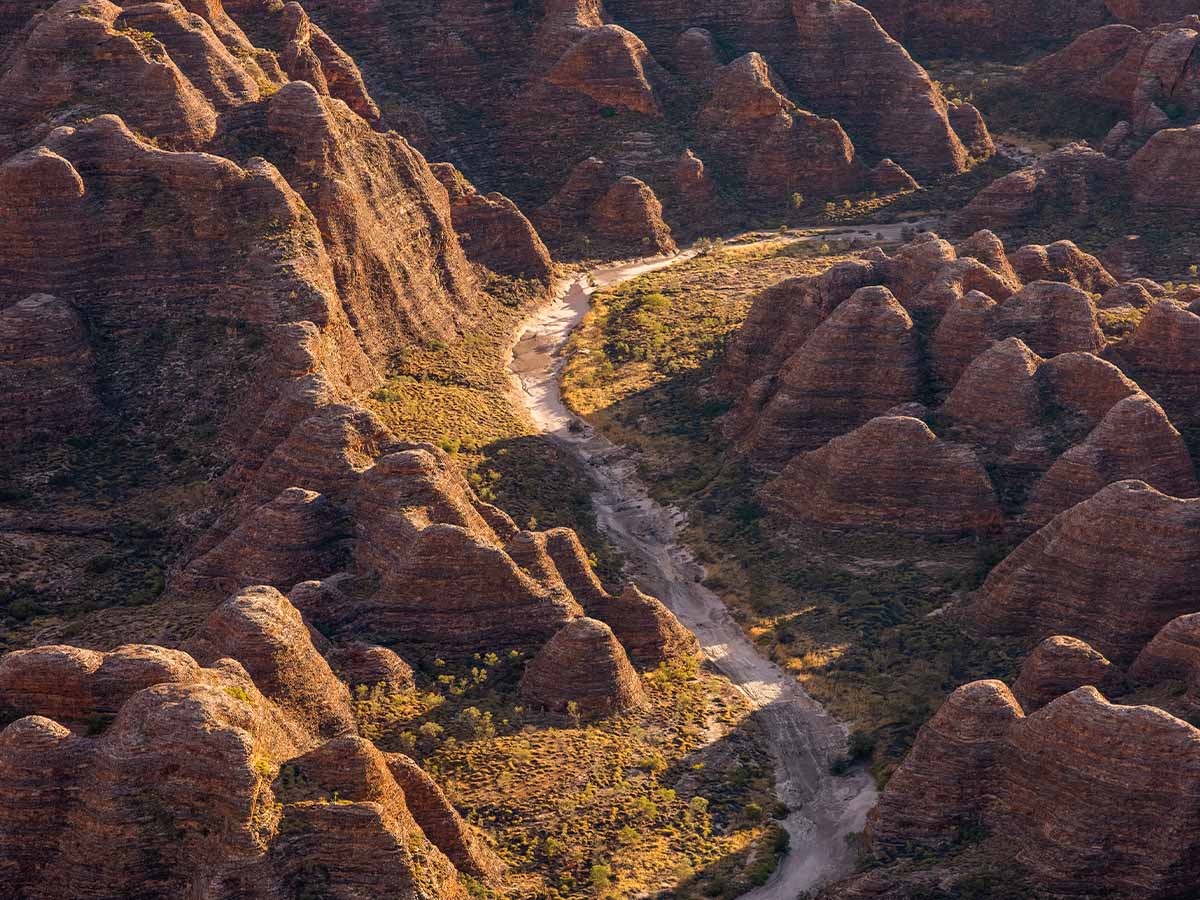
671, 801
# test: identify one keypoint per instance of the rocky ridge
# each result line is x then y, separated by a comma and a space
999, 357
269, 761
1032, 780
655, 73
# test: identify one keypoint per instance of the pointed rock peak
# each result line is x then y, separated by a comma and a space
613, 67
889, 177
873, 301
986, 247
259, 628
746, 89
998, 390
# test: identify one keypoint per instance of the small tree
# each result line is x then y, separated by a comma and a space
797, 200
601, 877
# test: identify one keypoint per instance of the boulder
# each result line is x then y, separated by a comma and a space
1128, 294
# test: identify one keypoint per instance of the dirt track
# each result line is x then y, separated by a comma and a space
803, 737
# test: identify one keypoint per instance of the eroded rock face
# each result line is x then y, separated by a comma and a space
1032, 779
86, 688
582, 671
43, 72
445, 581
263, 631
1092, 572
1051, 318
1070, 181
779, 322
1059, 665
1146, 77
440, 821
610, 65
520, 94
630, 216
493, 231
1062, 262
997, 395
1133, 440
1046, 793
357, 663
46, 370
204, 751
230, 307
988, 27
876, 90
1173, 654
968, 124
767, 145
892, 472
1163, 172
1014, 365
966, 330
858, 363
1161, 355
649, 632
291, 539
947, 775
